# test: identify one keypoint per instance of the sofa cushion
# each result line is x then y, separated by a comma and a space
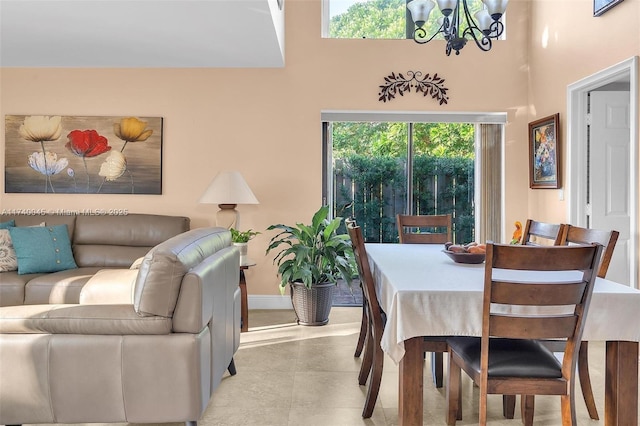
42, 249
109, 286
47, 219
80, 319
12, 287
116, 241
8, 259
57, 287
160, 274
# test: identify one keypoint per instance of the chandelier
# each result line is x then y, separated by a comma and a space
456, 24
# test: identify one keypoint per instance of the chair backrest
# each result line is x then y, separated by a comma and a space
519, 278
368, 286
543, 233
424, 229
608, 239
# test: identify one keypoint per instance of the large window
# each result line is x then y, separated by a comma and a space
377, 169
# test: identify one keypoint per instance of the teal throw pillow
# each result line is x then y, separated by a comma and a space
42, 249
7, 225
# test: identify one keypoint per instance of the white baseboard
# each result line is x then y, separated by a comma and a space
269, 302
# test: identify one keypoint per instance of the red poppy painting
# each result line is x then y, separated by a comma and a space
85, 155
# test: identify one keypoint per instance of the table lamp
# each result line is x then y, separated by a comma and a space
227, 190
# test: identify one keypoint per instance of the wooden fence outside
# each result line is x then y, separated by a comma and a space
378, 192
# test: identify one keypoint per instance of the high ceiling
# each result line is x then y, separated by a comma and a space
141, 33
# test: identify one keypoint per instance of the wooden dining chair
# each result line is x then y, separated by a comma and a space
427, 229
542, 233
373, 358
578, 235
424, 229
608, 240
535, 233
351, 222
509, 358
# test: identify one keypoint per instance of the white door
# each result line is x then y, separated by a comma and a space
609, 175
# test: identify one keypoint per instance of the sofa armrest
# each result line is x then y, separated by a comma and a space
205, 287
80, 319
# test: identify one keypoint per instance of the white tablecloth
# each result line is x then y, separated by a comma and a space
424, 293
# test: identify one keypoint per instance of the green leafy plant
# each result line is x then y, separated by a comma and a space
312, 254
242, 236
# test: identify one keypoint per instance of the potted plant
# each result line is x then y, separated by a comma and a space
241, 240
311, 259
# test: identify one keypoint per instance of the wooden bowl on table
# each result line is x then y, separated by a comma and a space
465, 257
468, 253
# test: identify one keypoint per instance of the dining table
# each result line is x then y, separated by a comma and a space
425, 293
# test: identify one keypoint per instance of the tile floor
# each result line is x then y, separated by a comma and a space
291, 375
307, 376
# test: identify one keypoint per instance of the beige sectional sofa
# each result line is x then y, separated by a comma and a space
119, 338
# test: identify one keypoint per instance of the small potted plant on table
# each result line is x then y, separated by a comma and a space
311, 259
241, 240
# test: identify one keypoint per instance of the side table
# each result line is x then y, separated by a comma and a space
244, 303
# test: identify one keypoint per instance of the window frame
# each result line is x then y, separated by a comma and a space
410, 117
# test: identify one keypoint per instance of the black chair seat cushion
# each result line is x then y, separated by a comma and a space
509, 357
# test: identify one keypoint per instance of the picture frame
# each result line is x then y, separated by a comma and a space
544, 153
83, 154
601, 6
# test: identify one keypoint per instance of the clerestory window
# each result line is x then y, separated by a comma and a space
378, 19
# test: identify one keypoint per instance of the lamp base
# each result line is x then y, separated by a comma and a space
227, 217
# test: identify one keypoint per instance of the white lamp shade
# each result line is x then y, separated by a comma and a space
496, 7
228, 188
447, 6
420, 10
484, 20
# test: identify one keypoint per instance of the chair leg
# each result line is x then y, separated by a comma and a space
232, 367
585, 380
374, 382
454, 390
527, 407
190, 423
508, 406
482, 406
363, 331
568, 410
437, 368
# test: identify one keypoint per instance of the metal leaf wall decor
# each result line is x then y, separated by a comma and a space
398, 84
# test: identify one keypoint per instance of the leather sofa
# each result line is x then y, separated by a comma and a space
115, 339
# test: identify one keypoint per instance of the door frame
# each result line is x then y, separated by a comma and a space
577, 151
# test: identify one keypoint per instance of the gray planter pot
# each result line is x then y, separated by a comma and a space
312, 305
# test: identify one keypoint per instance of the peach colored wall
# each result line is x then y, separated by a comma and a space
568, 44
266, 122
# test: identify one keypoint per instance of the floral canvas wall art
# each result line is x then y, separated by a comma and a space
84, 155
544, 153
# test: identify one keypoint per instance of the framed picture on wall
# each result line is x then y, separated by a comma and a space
601, 6
544, 152
83, 154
